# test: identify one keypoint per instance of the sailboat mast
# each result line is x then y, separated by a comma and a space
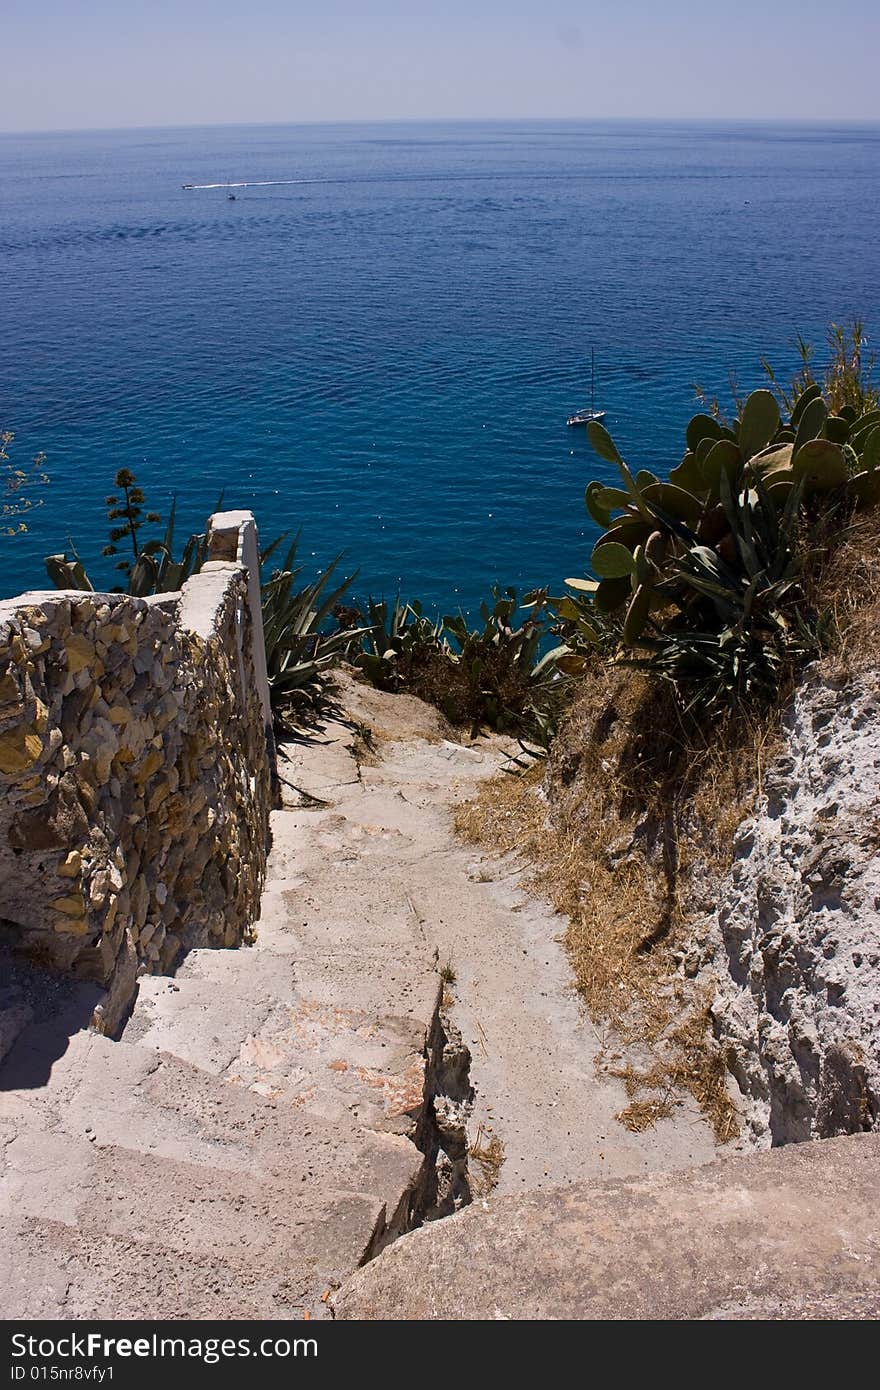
592, 380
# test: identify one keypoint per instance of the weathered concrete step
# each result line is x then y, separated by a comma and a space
789, 1233
267, 1246
207, 1010
252, 1135
51, 1270
315, 1047
169, 1164
113, 1094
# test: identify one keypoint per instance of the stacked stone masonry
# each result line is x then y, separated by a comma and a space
135, 777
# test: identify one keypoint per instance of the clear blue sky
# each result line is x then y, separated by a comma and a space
73, 64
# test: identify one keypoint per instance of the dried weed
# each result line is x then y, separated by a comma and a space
485, 1157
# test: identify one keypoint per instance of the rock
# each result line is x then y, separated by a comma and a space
788, 1234
72, 905
80, 653
20, 747
70, 865
156, 798
797, 1015
12, 705
71, 926
150, 765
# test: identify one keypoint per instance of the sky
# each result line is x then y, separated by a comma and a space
84, 64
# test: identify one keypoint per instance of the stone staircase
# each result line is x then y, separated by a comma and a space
139, 1185
274, 1116
253, 1135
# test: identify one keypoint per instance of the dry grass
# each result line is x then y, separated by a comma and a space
363, 748
485, 1157
606, 909
688, 1059
617, 827
842, 583
448, 973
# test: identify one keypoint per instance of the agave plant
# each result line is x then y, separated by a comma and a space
299, 651
492, 675
399, 640
156, 571
68, 571
153, 571
741, 625
506, 682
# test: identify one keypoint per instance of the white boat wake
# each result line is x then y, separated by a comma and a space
255, 183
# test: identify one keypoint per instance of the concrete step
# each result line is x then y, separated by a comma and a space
251, 1137
320, 1046
137, 1161
159, 1105
103, 1227
207, 1010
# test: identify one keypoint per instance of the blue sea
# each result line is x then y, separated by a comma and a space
382, 342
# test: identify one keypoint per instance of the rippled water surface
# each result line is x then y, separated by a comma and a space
384, 352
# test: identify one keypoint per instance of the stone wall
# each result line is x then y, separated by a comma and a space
135, 771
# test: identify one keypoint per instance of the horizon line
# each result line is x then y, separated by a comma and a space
750, 120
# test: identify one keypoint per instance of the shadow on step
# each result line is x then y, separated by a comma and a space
39, 1013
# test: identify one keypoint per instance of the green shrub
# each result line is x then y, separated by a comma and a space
398, 643
492, 675
499, 677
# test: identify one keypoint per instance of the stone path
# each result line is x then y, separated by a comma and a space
273, 1116
533, 1050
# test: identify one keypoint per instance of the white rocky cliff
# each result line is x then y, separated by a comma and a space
795, 939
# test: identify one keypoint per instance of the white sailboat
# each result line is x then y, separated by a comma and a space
583, 417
